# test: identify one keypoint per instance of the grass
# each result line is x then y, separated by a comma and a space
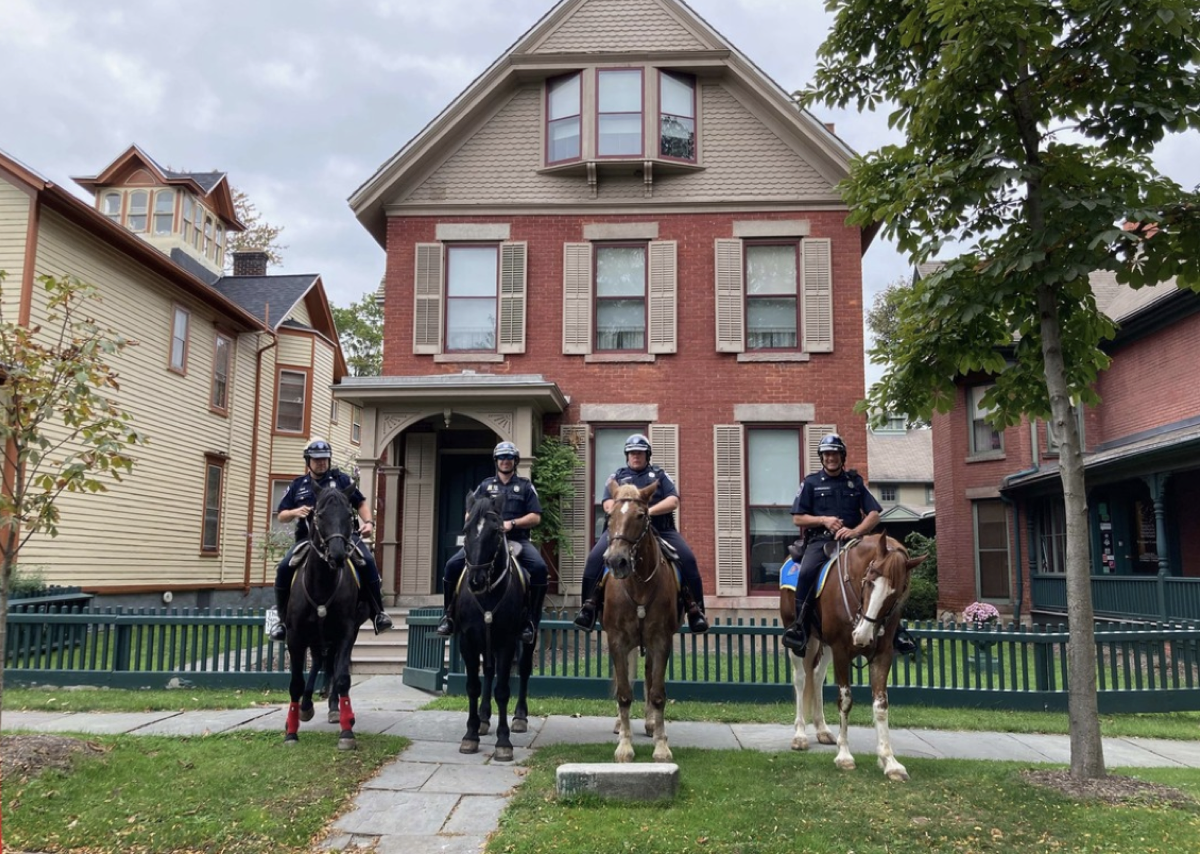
745, 802
241, 791
118, 700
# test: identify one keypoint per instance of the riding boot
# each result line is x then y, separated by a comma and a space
903, 642
279, 633
589, 612
445, 628
697, 623
796, 636
379, 616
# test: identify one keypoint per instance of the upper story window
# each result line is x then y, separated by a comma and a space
621, 298
356, 425
984, 437
164, 212
208, 235
179, 339
564, 119
291, 399
219, 246
112, 206
677, 116
772, 306
887, 493
471, 276
139, 205
189, 227
222, 351
619, 112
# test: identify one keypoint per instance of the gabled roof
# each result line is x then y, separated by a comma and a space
900, 457
566, 37
213, 187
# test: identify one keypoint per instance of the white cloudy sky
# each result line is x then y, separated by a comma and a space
300, 101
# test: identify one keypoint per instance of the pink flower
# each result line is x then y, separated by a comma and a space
981, 614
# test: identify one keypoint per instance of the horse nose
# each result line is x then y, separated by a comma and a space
619, 564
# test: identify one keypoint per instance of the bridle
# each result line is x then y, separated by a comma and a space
320, 545
501, 547
869, 576
634, 542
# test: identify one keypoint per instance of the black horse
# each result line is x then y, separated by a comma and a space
323, 616
491, 616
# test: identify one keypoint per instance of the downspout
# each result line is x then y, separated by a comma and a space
258, 357
1008, 479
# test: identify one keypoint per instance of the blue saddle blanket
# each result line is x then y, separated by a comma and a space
789, 574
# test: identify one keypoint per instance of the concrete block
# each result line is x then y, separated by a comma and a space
614, 780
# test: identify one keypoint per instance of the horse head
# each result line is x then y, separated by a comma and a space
628, 525
483, 542
884, 586
332, 525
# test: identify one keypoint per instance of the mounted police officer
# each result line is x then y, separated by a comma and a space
640, 473
297, 505
522, 511
832, 505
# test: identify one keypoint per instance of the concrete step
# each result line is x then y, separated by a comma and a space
382, 654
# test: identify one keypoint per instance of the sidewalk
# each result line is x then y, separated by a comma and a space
432, 798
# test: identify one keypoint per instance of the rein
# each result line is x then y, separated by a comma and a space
872, 572
634, 543
320, 547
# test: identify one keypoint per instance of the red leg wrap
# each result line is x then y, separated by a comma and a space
293, 718
347, 714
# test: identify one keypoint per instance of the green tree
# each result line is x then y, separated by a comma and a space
360, 329
60, 429
1028, 128
553, 477
259, 236
883, 317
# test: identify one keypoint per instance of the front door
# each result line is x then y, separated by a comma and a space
460, 472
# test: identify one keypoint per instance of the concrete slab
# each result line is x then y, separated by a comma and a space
476, 814
399, 776
1184, 752
1129, 753
386, 813
1001, 746
491, 779
429, 726
204, 722
619, 781
691, 734
469, 844
386, 693
106, 723
440, 752
30, 720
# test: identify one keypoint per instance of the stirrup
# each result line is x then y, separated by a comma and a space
903, 643
445, 627
586, 618
279, 633
795, 638
382, 622
697, 623
528, 634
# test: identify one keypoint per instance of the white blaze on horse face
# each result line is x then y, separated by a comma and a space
866, 631
625, 507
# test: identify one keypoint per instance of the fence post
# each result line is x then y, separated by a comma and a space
123, 647
1041, 665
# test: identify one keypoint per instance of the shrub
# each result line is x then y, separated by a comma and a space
923, 592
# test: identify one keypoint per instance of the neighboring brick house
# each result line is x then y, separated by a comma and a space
621, 226
1000, 517
228, 378
902, 478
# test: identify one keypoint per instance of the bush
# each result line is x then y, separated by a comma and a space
26, 581
923, 591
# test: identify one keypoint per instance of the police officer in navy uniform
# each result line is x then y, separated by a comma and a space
640, 473
522, 511
832, 504
297, 505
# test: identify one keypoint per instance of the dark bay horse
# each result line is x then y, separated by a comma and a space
858, 611
323, 615
491, 616
641, 613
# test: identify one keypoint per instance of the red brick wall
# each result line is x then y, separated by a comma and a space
695, 387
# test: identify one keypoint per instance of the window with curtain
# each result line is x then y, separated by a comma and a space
112, 206
984, 437
291, 393
772, 306
619, 112
677, 118
210, 538
471, 297
563, 119
1051, 521
179, 339
621, 298
773, 475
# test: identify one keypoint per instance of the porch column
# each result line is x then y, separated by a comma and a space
1158, 487
387, 548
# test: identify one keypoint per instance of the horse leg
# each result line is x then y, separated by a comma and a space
841, 673
520, 718
656, 698
485, 698
295, 690
340, 675
306, 701
647, 710
803, 691
892, 769
816, 664
624, 691
470, 741
504, 747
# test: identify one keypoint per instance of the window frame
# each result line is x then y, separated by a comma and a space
641, 113
305, 403
597, 248
624, 430
131, 212
449, 250
156, 215
889, 493
748, 247
975, 419
217, 463
768, 585
978, 551
662, 115
177, 312
356, 414
221, 407
282, 484
119, 198
577, 115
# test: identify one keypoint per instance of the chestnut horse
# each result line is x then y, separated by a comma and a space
641, 613
858, 610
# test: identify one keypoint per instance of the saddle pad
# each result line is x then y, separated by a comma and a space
789, 574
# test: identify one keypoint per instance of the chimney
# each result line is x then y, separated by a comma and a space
829, 126
250, 263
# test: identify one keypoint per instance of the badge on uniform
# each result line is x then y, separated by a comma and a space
653, 474
517, 488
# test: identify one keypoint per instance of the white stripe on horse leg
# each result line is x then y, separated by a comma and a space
844, 760
883, 750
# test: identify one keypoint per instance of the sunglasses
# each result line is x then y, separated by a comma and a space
508, 457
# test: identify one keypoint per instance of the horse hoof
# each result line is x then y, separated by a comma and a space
503, 754
799, 743
520, 725
623, 754
306, 714
844, 764
334, 716
347, 743
900, 776
468, 746
291, 740
826, 738
484, 728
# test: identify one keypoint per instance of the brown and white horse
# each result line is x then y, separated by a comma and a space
857, 614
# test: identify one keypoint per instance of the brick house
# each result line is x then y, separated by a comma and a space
1000, 519
621, 226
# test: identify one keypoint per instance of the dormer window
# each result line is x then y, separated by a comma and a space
188, 219
563, 119
220, 246
139, 205
112, 206
619, 112
164, 212
677, 120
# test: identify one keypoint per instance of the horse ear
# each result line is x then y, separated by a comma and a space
612, 489
647, 491
914, 562
883, 548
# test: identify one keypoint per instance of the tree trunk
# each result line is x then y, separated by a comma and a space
5, 575
1087, 750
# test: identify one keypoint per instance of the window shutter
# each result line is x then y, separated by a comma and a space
427, 296
576, 513
818, 296
729, 489
663, 289
512, 297
813, 433
664, 439
577, 298
416, 540
731, 335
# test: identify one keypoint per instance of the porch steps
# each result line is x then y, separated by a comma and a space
383, 654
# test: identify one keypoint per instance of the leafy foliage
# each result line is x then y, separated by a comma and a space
360, 330
923, 589
259, 236
883, 315
553, 468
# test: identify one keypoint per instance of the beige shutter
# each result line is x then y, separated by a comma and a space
813, 433
417, 533
818, 296
663, 289
576, 514
577, 298
512, 297
664, 439
730, 500
427, 296
731, 335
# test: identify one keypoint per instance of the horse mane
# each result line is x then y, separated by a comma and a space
627, 491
